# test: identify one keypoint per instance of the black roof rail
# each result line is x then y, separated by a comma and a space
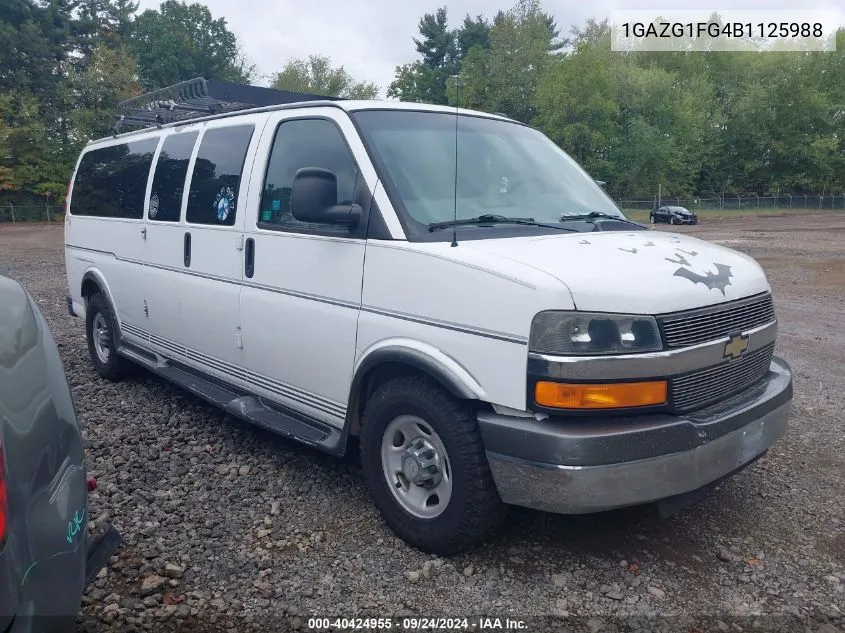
201, 97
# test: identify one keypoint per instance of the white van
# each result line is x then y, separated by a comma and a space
448, 287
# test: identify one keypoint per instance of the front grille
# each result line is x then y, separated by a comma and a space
714, 322
705, 386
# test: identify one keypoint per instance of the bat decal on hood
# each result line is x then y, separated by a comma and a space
719, 280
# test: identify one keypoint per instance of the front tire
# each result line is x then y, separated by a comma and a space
651, 218
425, 465
101, 330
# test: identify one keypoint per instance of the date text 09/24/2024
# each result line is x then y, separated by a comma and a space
417, 624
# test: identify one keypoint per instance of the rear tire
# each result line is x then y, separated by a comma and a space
101, 332
412, 429
672, 219
651, 218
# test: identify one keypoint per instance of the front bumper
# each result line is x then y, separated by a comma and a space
583, 465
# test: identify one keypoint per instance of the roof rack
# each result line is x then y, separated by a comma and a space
201, 97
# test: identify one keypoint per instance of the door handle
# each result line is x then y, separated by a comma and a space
249, 258
187, 253
144, 232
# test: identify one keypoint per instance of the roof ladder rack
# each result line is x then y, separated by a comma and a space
199, 97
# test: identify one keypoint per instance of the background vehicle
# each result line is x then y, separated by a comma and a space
45, 554
476, 318
673, 215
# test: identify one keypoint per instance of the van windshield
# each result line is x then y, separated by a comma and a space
503, 168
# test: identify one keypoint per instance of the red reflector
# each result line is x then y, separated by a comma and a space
92, 484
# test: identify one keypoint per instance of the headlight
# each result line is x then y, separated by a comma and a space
588, 333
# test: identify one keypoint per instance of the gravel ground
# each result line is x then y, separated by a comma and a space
229, 527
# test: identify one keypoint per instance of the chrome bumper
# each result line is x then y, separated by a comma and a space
547, 465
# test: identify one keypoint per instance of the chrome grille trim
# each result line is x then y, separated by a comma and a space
697, 389
691, 327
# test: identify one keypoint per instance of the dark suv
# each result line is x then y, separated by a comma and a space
45, 554
673, 215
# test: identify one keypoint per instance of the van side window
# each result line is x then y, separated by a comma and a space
169, 178
304, 143
111, 181
216, 178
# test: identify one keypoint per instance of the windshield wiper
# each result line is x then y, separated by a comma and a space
592, 215
491, 218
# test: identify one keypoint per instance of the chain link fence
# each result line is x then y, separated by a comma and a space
780, 202
15, 213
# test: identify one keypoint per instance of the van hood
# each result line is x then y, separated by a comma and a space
641, 272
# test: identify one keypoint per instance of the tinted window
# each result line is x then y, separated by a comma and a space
216, 177
298, 144
111, 181
501, 167
169, 178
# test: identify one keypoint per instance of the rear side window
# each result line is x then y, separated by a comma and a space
111, 181
216, 178
169, 178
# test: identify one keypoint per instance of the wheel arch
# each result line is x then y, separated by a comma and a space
398, 358
93, 282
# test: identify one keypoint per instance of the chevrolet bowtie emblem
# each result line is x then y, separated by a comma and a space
736, 346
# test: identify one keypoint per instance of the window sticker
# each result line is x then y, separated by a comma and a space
153, 206
224, 203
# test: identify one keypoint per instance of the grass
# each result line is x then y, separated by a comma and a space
641, 215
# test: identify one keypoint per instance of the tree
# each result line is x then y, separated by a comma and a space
110, 76
473, 32
181, 41
316, 75
577, 101
29, 157
426, 80
506, 77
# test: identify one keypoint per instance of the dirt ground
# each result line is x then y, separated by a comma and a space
769, 542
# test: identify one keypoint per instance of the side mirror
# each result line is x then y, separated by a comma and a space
314, 199
602, 184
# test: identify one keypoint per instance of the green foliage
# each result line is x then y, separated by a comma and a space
110, 76
65, 64
695, 123
473, 32
427, 80
181, 41
316, 75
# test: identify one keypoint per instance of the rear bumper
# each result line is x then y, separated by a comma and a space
591, 465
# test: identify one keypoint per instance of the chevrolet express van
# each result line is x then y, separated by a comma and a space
447, 286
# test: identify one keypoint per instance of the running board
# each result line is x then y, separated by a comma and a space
241, 404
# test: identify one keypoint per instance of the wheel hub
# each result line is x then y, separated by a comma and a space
421, 464
101, 335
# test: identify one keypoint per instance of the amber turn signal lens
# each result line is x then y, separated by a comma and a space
617, 395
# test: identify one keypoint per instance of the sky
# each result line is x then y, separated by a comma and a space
369, 38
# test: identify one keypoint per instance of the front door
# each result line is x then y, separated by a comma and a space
302, 286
